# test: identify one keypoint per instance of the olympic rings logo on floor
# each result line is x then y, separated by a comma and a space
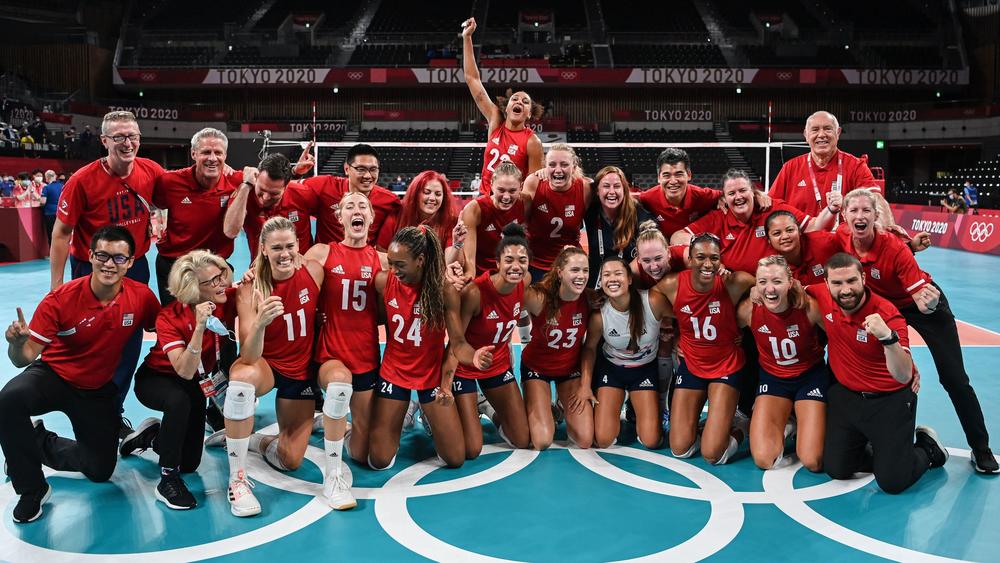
980, 231
723, 526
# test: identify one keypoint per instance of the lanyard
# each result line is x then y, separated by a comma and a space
218, 357
836, 187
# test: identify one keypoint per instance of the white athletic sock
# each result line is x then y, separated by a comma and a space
254, 444
730, 450
272, 457
237, 448
334, 456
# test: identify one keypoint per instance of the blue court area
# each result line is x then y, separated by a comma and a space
559, 505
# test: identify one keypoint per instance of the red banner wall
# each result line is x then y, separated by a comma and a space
972, 233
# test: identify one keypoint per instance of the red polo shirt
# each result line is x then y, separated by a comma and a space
744, 244
94, 197
83, 339
817, 248
794, 183
196, 214
890, 268
175, 326
297, 203
329, 190
697, 202
857, 358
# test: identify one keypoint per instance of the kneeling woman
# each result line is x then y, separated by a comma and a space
184, 354
277, 316
490, 308
629, 325
415, 354
792, 370
560, 311
704, 303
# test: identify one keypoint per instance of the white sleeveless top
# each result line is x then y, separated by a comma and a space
617, 335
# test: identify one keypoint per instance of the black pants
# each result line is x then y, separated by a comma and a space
93, 414
163, 265
751, 373
941, 335
50, 223
130, 355
179, 443
887, 421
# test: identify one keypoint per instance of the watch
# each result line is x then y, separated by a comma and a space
892, 339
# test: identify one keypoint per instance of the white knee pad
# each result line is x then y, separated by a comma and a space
730, 450
240, 397
338, 399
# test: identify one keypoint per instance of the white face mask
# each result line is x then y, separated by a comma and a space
38, 179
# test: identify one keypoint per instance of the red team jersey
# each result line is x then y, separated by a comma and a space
94, 197
744, 244
288, 340
175, 326
497, 319
555, 221
817, 248
675, 263
297, 203
555, 349
697, 202
349, 332
413, 352
707, 322
83, 339
890, 268
794, 183
490, 230
196, 214
504, 144
857, 359
786, 341
329, 190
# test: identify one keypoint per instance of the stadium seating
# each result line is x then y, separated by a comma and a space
679, 16
679, 55
985, 176
397, 17
248, 55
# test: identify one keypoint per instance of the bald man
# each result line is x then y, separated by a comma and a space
805, 180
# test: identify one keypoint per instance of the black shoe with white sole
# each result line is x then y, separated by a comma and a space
125, 429
984, 462
141, 438
174, 493
927, 438
29, 506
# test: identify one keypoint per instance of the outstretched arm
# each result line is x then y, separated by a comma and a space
486, 106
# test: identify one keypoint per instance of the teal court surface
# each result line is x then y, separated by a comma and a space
564, 504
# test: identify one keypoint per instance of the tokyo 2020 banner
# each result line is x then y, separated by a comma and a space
972, 233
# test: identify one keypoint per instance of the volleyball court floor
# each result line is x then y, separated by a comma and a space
623, 503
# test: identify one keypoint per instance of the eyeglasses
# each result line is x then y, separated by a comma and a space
214, 282
119, 139
364, 170
102, 257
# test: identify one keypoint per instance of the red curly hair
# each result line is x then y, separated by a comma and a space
443, 221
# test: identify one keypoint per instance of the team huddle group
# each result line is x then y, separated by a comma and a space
684, 295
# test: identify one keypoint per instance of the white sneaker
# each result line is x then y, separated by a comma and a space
216, 439
411, 415
558, 414
484, 407
741, 426
424, 423
791, 428
318, 423
337, 492
242, 501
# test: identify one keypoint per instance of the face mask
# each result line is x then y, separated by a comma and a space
215, 325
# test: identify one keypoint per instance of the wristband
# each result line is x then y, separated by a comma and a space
459, 245
892, 339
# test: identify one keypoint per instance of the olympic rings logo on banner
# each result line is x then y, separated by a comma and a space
568, 75
980, 231
784, 76
724, 523
355, 75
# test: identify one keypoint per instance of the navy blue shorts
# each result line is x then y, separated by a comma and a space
365, 381
684, 379
810, 385
528, 374
296, 389
388, 390
636, 378
462, 385
536, 274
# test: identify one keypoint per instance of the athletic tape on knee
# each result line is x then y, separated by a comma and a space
730, 450
338, 399
272, 457
239, 403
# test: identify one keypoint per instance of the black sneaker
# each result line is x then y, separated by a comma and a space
140, 439
927, 438
214, 418
29, 507
174, 493
984, 462
125, 429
